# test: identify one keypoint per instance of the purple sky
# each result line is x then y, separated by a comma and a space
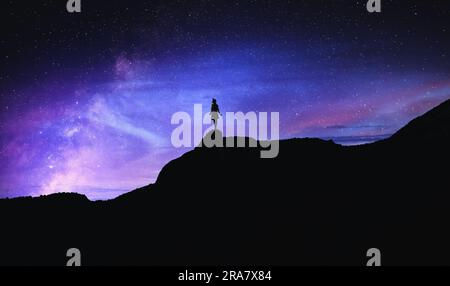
111, 137
86, 101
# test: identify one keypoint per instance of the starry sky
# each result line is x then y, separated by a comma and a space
86, 99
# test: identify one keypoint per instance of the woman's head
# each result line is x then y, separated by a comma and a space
214, 100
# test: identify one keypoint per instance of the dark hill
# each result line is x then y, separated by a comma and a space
317, 203
432, 127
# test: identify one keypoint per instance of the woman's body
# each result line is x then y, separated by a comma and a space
215, 111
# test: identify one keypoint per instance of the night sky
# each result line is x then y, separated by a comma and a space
86, 99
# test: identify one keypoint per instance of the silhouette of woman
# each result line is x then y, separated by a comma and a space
214, 112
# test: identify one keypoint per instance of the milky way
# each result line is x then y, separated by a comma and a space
87, 99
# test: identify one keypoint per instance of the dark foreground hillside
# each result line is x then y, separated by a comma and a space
317, 203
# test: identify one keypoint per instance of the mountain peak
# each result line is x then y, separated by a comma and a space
433, 127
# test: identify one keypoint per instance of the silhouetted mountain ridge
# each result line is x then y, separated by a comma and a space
432, 127
317, 203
